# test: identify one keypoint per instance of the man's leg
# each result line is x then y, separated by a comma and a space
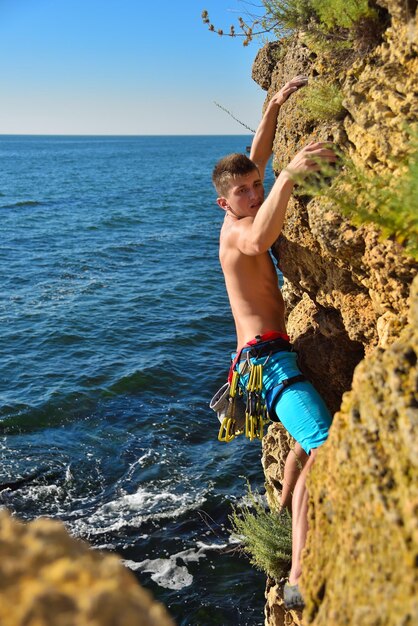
295, 462
300, 520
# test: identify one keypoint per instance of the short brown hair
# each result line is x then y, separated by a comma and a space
228, 168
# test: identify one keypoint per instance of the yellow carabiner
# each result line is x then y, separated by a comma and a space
234, 384
228, 425
225, 433
250, 427
251, 379
260, 427
221, 429
253, 428
260, 377
255, 378
230, 429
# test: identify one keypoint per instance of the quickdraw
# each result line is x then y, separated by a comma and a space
256, 412
230, 428
256, 415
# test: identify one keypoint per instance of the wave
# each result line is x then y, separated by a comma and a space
63, 407
154, 379
19, 482
118, 220
24, 418
132, 511
23, 203
61, 338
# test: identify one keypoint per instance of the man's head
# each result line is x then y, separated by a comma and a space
229, 168
237, 180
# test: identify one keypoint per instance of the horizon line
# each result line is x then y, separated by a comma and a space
124, 135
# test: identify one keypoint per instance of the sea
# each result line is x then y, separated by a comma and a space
115, 333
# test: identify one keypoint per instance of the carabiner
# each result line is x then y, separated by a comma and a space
234, 384
225, 433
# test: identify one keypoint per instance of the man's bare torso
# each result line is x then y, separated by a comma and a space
254, 295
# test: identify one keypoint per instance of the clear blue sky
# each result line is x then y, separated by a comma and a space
123, 67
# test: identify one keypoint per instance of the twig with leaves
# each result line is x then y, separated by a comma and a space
247, 30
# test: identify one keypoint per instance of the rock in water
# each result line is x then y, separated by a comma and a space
47, 578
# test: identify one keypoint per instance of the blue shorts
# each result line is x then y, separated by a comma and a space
299, 407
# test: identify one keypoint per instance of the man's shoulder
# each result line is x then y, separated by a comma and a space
229, 236
229, 242
232, 229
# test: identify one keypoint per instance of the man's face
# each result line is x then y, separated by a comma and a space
245, 195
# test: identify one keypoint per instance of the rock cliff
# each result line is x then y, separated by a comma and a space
347, 291
361, 554
47, 578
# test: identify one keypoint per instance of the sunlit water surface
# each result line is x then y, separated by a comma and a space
116, 333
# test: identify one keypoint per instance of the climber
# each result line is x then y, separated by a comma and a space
251, 225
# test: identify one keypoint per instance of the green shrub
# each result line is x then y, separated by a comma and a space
321, 101
320, 16
391, 204
344, 13
288, 15
390, 201
266, 536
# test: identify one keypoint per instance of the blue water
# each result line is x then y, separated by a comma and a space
116, 332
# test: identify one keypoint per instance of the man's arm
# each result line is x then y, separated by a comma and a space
255, 235
262, 145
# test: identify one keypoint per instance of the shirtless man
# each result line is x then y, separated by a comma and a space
252, 224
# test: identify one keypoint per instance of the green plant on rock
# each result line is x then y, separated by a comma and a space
390, 201
341, 13
266, 536
321, 101
284, 16
322, 15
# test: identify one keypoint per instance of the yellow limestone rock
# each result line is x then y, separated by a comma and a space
350, 314
47, 578
346, 290
276, 445
359, 566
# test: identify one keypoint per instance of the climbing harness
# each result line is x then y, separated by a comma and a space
237, 416
284, 384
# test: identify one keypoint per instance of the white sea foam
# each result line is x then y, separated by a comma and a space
42, 492
131, 510
145, 458
68, 473
165, 572
168, 573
